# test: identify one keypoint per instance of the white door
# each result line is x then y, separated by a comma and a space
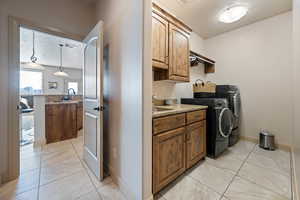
93, 101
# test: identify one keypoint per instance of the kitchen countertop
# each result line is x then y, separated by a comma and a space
176, 109
63, 102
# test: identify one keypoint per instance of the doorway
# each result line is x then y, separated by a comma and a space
33, 92
51, 72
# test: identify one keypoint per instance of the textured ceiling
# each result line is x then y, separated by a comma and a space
47, 49
202, 15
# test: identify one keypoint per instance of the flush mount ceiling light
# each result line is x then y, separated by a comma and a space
33, 58
60, 71
233, 13
188, 1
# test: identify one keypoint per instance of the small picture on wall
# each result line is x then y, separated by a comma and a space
52, 85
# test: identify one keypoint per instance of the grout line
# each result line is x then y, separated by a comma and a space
81, 161
204, 185
237, 172
253, 182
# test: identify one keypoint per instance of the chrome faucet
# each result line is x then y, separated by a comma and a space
74, 93
68, 96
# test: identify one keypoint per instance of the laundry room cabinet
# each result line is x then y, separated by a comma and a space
179, 142
160, 37
170, 47
195, 143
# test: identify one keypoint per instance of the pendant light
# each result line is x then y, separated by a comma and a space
33, 58
60, 71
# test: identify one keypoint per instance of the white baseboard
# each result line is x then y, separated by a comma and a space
149, 198
283, 147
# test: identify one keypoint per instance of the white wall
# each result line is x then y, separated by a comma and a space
73, 16
123, 36
296, 83
258, 58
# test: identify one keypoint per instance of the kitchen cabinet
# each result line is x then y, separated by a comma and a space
79, 116
179, 142
169, 154
61, 121
170, 47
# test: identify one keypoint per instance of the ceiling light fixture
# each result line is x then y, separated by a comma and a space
233, 13
33, 58
60, 71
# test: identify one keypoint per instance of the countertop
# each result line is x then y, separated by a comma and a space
176, 109
63, 102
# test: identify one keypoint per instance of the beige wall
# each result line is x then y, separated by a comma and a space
258, 59
123, 36
73, 16
147, 107
296, 71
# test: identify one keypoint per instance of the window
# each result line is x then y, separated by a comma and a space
73, 85
31, 82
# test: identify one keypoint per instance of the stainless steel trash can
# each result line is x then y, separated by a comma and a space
267, 141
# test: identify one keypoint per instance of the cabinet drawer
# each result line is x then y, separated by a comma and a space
195, 116
168, 123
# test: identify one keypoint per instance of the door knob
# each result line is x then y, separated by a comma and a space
97, 108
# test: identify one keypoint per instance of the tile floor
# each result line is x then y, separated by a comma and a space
244, 172
57, 172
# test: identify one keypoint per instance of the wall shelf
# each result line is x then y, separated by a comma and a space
196, 58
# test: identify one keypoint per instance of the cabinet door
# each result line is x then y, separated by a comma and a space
160, 52
79, 116
196, 143
179, 63
60, 122
168, 157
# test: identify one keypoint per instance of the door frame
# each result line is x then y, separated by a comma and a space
13, 150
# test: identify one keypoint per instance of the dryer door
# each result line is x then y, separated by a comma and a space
225, 122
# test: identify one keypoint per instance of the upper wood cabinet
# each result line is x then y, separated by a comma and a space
160, 34
179, 54
170, 47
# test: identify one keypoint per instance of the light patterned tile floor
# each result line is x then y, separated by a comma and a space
57, 172
243, 172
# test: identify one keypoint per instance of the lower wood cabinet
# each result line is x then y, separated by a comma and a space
79, 116
176, 150
169, 157
195, 143
61, 122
